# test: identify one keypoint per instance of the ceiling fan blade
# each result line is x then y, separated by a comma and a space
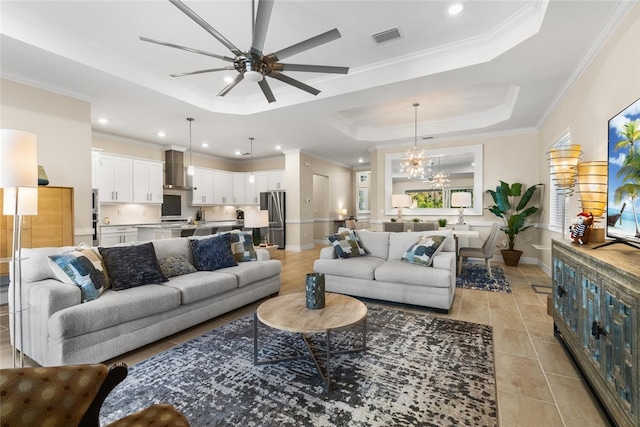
208, 28
293, 82
188, 49
314, 68
231, 85
210, 70
307, 44
266, 89
260, 27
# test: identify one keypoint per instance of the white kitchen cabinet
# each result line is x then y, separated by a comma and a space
202, 183
114, 179
262, 184
147, 182
276, 180
239, 181
222, 187
251, 195
110, 236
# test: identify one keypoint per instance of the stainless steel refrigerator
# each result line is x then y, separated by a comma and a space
274, 202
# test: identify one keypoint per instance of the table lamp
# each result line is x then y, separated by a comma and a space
461, 200
256, 220
19, 179
400, 201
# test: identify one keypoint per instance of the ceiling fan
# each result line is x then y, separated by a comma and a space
253, 64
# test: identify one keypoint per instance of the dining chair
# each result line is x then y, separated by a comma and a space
424, 226
394, 226
350, 224
486, 251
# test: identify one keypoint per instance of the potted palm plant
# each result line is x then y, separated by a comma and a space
511, 205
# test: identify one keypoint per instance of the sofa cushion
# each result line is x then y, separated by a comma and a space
131, 266
82, 267
202, 284
346, 245
173, 247
112, 308
212, 253
399, 242
396, 271
173, 266
251, 272
358, 268
36, 265
242, 247
423, 251
376, 243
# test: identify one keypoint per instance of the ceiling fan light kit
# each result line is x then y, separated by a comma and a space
253, 64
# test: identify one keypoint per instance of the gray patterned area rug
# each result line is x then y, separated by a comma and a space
417, 370
474, 276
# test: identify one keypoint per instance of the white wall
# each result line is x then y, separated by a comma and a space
63, 128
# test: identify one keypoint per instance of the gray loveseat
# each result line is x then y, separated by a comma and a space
382, 275
60, 330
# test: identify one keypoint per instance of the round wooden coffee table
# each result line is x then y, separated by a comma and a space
289, 313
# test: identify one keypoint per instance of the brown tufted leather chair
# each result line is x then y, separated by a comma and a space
70, 396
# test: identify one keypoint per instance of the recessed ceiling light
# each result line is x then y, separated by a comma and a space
278, 147
238, 152
228, 79
455, 8
205, 145
162, 134
360, 160
103, 121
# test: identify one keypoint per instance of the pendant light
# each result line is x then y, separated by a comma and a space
190, 170
413, 163
251, 177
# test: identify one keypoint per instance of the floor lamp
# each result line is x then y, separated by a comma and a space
564, 171
19, 180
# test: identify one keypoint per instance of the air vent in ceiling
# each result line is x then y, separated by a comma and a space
386, 35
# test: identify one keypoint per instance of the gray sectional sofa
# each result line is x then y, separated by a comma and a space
382, 275
60, 330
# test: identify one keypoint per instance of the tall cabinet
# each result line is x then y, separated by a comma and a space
53, 226
595, 298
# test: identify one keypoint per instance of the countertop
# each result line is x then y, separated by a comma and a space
179, 224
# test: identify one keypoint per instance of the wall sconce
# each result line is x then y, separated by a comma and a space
461, 199
400, 201
564, 170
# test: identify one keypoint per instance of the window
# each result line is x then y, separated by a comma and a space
558, 196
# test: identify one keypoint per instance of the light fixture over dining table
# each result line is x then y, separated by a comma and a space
413, 162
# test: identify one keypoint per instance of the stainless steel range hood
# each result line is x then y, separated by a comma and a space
174, 171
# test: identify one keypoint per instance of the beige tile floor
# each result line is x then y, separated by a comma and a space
537, 384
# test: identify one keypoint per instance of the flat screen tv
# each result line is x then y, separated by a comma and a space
623, 182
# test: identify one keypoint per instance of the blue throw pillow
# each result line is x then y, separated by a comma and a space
82, 267
131, 266
242, 247
212, 253
347, 245
423, 251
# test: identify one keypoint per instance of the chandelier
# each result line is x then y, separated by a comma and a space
438, 180
413, 162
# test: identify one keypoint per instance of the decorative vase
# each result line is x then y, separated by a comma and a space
43, 179
315, 291
511, 257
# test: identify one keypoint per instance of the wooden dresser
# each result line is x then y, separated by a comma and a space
595, 313
53, 226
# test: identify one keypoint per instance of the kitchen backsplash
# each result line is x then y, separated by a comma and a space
149, 214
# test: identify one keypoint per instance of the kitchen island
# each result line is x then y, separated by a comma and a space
182, 229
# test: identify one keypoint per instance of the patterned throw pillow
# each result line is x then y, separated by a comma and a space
176, 266
242, 247
423, 251
82, 267
132, 266
212, 253
347, 245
